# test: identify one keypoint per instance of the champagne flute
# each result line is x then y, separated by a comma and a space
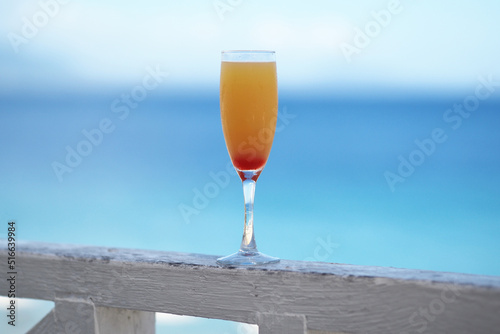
249, 110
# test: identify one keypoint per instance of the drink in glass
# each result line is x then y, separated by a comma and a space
249, 108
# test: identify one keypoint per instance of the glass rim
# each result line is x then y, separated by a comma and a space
248, 56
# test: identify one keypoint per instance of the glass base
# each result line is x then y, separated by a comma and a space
246, 259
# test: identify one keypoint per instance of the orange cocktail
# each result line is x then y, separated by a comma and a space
249, 110
249, 106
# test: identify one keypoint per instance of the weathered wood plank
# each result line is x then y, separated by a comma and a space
114, 320
271, 323
329, 297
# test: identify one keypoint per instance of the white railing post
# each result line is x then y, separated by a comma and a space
117, 320
80, 316
68, 317
281, 324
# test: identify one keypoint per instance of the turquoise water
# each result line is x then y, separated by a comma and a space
148, 180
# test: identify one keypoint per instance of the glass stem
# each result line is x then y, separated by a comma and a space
248, 244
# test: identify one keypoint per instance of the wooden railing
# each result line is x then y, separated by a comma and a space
108, 290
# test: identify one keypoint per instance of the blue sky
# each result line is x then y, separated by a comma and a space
443, 45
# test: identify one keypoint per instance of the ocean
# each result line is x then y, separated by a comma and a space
396, 180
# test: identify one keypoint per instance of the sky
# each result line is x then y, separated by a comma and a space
93, 44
